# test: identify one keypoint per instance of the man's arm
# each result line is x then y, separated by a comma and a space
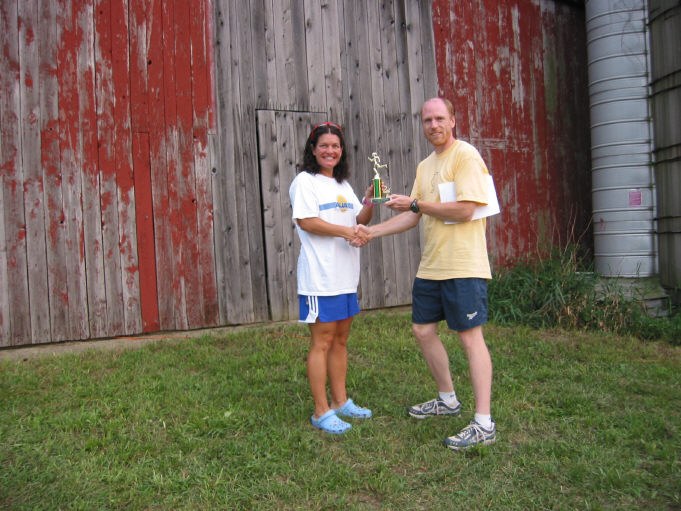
399, 223
459, 211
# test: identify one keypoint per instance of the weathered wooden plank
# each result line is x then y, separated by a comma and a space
385, 97
52, 177
261, 54
372, 111
229, 282
410, 131
250, 213
71, 150
367, 97
290, 62
124, 168
186, 179
204, 164
207, 291
137, 33
333, 36
269, 137
385, 94
241, 192
314, 52
17, 291
209, 13
145, 232
281, 17
201, 63
105, 100
173, 252
414, 54
297, 68
33, 189
398, 290
241, 189
252, 298
430, 79
86, 124
5, 330
414, 28
158, 79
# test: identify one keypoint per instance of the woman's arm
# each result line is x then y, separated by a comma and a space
316, 225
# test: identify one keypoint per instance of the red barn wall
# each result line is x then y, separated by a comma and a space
516, 73
111, 184
106, 218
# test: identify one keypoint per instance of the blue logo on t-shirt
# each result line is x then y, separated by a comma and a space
340, 203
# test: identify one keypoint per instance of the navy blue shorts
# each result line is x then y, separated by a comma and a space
461, 302
327, 308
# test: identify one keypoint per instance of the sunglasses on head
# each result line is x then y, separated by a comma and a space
326, 124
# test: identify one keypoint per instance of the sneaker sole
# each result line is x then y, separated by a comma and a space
420, 417
457, 448
425, 416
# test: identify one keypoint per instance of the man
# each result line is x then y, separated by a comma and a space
451, 281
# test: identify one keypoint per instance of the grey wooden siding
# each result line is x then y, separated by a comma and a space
281, 67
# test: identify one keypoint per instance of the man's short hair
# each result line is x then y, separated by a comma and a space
447, 103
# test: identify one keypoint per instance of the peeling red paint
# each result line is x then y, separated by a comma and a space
492, 62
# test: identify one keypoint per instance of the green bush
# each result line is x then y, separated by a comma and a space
562, 291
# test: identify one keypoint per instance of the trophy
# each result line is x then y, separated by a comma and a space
381, 190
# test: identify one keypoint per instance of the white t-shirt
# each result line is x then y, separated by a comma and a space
327, 265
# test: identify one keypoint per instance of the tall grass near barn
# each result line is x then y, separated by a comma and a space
562, 291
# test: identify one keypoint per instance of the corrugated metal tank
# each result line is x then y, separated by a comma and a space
622, 178
665, 42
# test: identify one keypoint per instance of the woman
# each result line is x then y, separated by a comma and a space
326, 212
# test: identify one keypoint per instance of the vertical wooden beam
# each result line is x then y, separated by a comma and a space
15, 288
33, 187
70, 149
52, 177
123, 150
106, 159
184, 212
201, 65
145, 232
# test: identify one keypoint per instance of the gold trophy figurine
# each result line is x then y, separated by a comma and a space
381, 191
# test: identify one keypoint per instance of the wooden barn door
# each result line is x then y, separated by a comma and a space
281, 138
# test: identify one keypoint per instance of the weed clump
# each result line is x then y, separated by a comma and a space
562, 291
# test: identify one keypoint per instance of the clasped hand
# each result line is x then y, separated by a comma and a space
362, 236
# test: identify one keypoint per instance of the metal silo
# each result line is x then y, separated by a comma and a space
665, 42
621, 138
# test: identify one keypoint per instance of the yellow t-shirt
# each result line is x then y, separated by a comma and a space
453, 250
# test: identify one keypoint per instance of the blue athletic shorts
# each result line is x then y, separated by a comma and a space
461, 302
327, 308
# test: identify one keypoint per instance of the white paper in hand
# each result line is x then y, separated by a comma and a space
448, 194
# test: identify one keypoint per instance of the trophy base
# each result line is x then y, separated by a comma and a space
380, 200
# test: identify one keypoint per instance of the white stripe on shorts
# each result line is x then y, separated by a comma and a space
313, 309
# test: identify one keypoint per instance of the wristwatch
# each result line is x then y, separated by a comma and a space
414, 206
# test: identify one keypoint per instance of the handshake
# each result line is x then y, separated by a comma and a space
362, 236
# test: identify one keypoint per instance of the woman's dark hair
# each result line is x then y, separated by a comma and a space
340, 171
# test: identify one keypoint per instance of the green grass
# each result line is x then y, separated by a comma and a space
585, 421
